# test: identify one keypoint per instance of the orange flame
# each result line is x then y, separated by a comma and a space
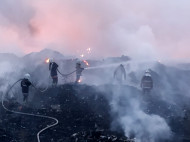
79, 81
47, 60
86, 62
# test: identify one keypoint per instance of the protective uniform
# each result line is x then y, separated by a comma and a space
120, 73
79, 70
53, 71
147, 82
25, 83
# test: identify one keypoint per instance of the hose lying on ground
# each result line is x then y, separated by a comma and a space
29, 114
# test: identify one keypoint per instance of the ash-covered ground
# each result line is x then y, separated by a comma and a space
82, 111
85, 114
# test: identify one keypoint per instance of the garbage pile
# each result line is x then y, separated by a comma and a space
98, 135
77, 107
84, 116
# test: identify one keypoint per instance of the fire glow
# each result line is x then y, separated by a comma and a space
47, 60
88, 50
86, 62
82, 55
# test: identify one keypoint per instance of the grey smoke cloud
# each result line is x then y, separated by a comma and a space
16, 15
147, 29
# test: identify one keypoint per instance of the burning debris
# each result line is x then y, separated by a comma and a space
79, 81
129, 109
82, 55
85, 53
88, 50
89, 121
47, 60
86, 62
91, 111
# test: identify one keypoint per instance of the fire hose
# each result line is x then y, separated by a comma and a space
66, 75
42, 91
29, 114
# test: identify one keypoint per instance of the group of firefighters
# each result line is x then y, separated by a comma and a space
146, 81
53, 68
119, 74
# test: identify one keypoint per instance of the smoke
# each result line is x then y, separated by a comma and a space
125, 102
8, 76
146, 29
147, 116
15, 26
129, 107
143, 30
129, 112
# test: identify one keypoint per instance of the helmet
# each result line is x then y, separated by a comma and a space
27, 76
51, 60
147, 73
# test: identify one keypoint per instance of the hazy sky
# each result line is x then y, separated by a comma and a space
139, 28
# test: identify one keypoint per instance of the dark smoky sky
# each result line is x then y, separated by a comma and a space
142, 29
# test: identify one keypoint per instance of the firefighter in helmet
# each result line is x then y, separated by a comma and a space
25, 84
146, 82
53, 72
79, 70
120, 73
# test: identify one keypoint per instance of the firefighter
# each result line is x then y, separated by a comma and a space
120, 73
146, 82
25, 84
79, 70
53, 72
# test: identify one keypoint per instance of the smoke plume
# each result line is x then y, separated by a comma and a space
146, 29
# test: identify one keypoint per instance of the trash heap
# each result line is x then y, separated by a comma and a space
84, 115
98, 135
82, 111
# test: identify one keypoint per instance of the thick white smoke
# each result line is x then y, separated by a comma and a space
10, 73
134, 120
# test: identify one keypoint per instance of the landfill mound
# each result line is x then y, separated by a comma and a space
82, 111
85, 114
